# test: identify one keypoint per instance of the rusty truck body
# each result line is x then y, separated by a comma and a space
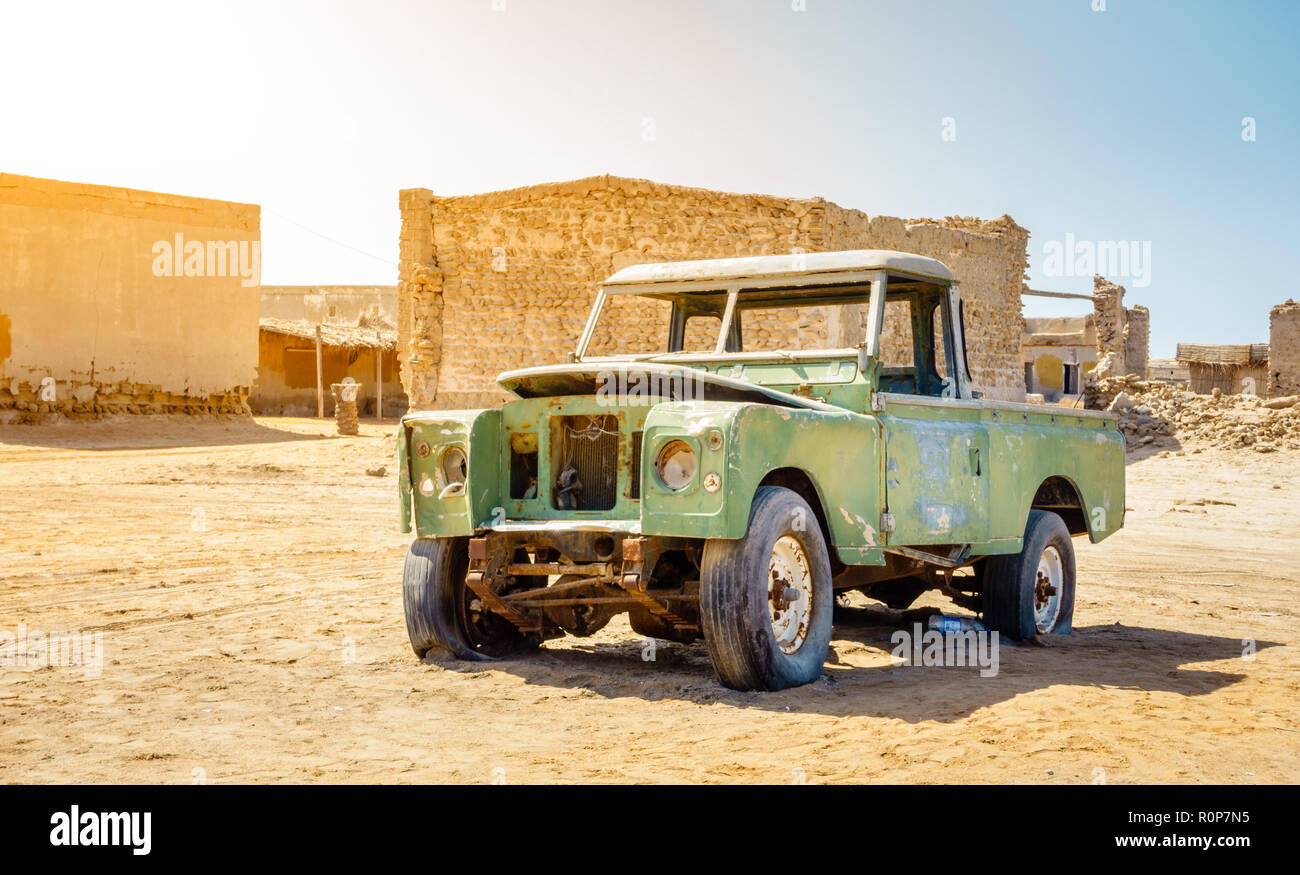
733, 442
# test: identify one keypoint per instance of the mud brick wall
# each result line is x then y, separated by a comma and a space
1137, 340
1284, 349
504, 280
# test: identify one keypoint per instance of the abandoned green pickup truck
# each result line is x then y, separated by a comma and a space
733, 442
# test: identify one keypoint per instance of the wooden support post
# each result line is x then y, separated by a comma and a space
379, 377
320, 378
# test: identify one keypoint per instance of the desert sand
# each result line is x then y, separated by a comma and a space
246, 579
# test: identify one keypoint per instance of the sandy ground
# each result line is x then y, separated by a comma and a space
246, 581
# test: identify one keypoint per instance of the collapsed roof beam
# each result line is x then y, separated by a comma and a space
1036, 293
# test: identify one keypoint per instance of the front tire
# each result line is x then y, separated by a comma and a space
766, 600
440, 608
1032, 592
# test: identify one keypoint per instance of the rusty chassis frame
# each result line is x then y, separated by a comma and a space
619, 565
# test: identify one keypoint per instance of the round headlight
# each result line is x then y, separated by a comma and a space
676, 464
452, 466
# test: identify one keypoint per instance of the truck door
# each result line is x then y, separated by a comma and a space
936, 446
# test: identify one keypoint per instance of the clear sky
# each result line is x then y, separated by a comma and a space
1117, 125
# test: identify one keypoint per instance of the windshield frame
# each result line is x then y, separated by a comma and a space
871, 281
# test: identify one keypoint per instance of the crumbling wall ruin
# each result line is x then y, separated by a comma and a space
1122, 333
1137, 340
1284, 349
1108, 318
419, 298
504, 280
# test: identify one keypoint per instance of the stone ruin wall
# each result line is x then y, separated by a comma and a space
1108, 319
505, 280
1123, 332
492, 282
1284, 349
1137, 340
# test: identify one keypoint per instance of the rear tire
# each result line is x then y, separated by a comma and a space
1032, 592
766, 600
439, 607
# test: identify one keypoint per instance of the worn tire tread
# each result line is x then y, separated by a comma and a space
1008, 588
726, 597
431, 566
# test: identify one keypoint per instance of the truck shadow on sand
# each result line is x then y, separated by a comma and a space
1096, 657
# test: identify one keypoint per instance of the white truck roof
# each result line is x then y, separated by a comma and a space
793, 265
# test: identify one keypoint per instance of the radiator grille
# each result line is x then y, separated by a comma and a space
584, 462
635, 468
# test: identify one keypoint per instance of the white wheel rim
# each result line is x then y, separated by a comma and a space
1049, 583
789, 602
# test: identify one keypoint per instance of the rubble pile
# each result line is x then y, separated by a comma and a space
1153, 412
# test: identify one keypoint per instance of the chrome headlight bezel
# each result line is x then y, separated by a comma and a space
453, 466
676, 464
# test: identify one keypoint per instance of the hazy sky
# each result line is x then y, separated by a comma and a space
1117, 125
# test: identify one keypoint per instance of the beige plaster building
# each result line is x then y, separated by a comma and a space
1058, 351
113, 299
358, 341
